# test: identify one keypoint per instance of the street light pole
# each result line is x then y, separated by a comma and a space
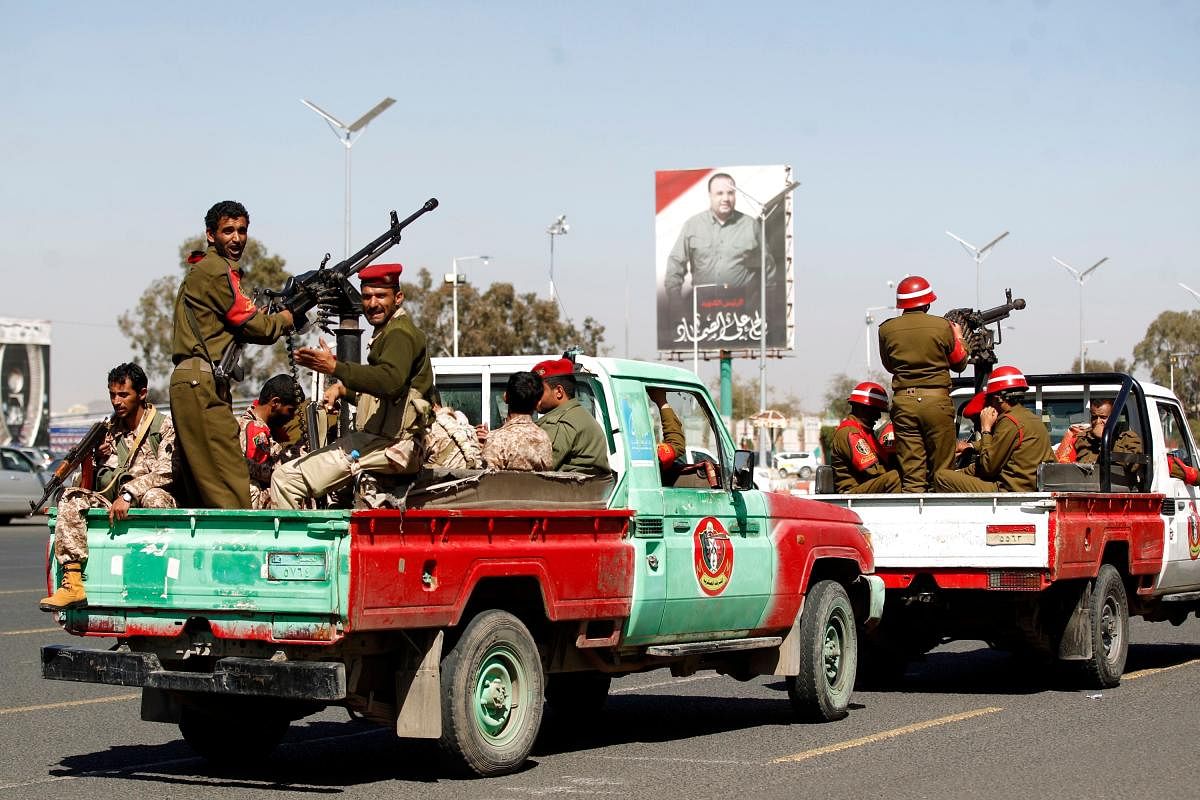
1171, 363
1191, 291
1080, 278
1086, 342
696, 324
978, 254
870, 322
346, 135
454, 279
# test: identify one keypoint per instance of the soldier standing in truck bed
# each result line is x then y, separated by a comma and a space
920, 349
211, 313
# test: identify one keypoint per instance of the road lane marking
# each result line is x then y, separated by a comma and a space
884, 735
674, 682
71, 703
30, 630
1141, 673
680, 760
21, 591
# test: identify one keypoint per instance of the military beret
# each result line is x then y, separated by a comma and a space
386, 275
972, 408
554, 368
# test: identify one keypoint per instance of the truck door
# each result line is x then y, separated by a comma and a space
718, 554
1182, 568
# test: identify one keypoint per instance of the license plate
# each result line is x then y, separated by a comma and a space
1011, 534
296, 567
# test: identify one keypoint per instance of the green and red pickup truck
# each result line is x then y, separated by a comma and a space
492, 593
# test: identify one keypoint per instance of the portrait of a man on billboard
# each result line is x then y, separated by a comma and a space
709, 257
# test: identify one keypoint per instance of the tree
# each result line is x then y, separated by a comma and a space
1171, 334
839, 388
746, 399
1096, 365
498, 321
149, 325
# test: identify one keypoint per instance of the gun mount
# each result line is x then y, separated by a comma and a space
979, 337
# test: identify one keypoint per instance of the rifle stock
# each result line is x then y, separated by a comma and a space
83, 449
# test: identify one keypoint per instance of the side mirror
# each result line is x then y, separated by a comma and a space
743, 469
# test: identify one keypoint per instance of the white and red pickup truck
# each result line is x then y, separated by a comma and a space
1054, 573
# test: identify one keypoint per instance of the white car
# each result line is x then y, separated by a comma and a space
802, 465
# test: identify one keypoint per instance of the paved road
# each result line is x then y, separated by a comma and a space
966, 722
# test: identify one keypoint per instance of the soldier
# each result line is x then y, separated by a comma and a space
577, 439
390, 391
211, 313
856, 457
1013, 441
451, 442
519, 444
1081, 443
672, 450
133, 469
263, 434
920, 349
1178, 469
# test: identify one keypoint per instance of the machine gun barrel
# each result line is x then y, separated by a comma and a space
384, 242
998, 313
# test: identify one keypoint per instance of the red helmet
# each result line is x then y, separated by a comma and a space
914, 292
1004, 378
869, 393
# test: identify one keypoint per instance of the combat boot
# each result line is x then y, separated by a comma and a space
70, 594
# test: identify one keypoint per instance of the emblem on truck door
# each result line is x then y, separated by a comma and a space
713, 552
1194, 533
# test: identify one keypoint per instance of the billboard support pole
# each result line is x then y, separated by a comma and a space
727, 391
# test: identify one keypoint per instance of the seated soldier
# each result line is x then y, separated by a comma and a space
132, 470
262, 430
577, 440
519, 444
854, 454
1013, 441
1081, 443
450, 442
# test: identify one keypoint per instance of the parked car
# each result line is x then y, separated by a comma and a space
19, 484
802, 465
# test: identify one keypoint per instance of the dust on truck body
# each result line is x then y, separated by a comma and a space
492, 593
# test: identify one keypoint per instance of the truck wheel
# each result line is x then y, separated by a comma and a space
573, 693
1110, 630
492, 690
229, 740
828, 655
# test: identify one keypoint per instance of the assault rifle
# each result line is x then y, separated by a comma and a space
82, 450
979, 338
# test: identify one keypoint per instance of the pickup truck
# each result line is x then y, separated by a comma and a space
488, 594
1053, 574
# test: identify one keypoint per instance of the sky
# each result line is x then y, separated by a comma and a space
1072, 125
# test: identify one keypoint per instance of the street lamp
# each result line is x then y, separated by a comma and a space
696, 323
1083, 353
870, 322
1080, 278
1171, 363
1192, 291
557, 228
978, 254
346, 135
454, 279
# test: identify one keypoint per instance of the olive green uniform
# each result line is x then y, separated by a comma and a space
857, 463
211, 313
1086, 449
919, 350
1008, 457
576, 439
390, 391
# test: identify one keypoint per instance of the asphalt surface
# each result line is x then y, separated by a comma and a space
966, 722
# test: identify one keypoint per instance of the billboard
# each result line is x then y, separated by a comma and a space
708, 235
25, 382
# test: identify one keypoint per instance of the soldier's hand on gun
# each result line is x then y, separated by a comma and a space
333, 395
958, 334
481, 432
318, 359
987, 418
118, 510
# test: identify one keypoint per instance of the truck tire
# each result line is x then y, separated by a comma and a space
828, 655
1109, 630
573, 693
232, 740
492, 690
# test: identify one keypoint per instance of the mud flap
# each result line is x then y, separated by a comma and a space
419, 695
1076, 641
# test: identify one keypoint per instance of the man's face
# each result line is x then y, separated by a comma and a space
866, 413
379, 303
230, 236
1100, 413
125, 399
279, 413
722, 198
552, 397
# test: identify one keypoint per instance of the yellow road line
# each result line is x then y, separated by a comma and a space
883, 735
70, 703
1141, 673
29, 630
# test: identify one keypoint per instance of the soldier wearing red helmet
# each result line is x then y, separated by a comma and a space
855, 455
1013, 441
919, 350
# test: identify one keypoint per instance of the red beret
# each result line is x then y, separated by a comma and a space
554, 368
973, 408
385, 275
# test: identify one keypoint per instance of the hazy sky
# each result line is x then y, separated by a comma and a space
1074, 125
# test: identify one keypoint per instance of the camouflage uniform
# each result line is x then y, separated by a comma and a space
518, 444
264, 449
450, 443
149, 479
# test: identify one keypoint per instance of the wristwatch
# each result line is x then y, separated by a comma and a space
126, 496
